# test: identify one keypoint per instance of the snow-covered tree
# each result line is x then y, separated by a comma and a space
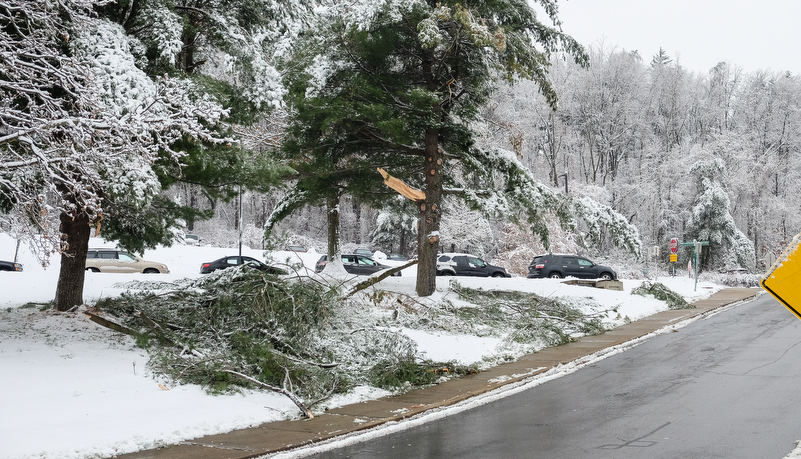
711, 221
80, 125
396, 84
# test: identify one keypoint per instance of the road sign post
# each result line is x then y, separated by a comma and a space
697, 247
674, 256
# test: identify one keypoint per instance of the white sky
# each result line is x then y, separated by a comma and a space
753, 35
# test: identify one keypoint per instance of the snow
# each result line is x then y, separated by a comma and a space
73, 389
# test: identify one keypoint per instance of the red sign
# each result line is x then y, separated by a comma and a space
674, 245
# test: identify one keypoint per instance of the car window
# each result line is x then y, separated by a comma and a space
366, 261
460, 260
568, 260
584, 262
91, 254
476, 262
231, 261
251, 261
108, 255
123, 256
348, 259
444, 259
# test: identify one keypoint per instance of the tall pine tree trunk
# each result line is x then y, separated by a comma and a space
69, 290
430, 212
333, 226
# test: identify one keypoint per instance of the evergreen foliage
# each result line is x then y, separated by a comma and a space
299, 335
533, 318
661, 292
711, 220
396, 85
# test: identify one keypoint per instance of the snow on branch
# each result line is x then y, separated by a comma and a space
78, 119
513, 190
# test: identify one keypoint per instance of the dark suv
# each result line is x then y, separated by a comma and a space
464, 264
559, 265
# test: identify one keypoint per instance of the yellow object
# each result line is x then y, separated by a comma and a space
402, 188
674, 258
783, 279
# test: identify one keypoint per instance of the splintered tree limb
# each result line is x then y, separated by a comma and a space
304, 411
402, 188
112, 325
372, 280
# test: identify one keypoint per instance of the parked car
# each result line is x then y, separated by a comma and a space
355, 264
396, 257
236, 260
464, 264
565, 265
104, 260
10, 266
296, 248
365, 252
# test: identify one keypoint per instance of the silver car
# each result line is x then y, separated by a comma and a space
101, 260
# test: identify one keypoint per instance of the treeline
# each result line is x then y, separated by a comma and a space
680, 154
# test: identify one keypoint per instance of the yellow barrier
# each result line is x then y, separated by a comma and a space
783, 279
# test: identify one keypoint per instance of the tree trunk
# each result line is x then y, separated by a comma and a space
428, 225
75, 231
333, 226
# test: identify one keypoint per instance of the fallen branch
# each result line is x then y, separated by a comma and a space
304, 411
372, 280
96, 318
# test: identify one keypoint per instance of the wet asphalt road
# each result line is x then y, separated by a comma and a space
726, 386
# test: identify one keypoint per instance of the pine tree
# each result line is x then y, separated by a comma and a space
395, 84
109, 105
711, 220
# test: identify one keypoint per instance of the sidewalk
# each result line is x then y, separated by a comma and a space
283, 435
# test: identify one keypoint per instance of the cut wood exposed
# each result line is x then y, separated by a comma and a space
402, 188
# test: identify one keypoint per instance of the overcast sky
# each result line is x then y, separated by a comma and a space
752, 34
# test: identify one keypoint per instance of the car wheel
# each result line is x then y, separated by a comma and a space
606, 276
94, 270
555, 275
446, 273
151, 271
498, 275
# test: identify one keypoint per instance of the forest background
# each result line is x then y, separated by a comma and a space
708, 157
672, 150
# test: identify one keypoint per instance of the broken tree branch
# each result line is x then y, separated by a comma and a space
304, 411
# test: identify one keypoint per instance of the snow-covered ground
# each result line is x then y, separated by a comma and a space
73, 389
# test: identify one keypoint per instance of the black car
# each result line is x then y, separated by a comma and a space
236, 260
558, 265
355, 264
10, 266
464, 264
